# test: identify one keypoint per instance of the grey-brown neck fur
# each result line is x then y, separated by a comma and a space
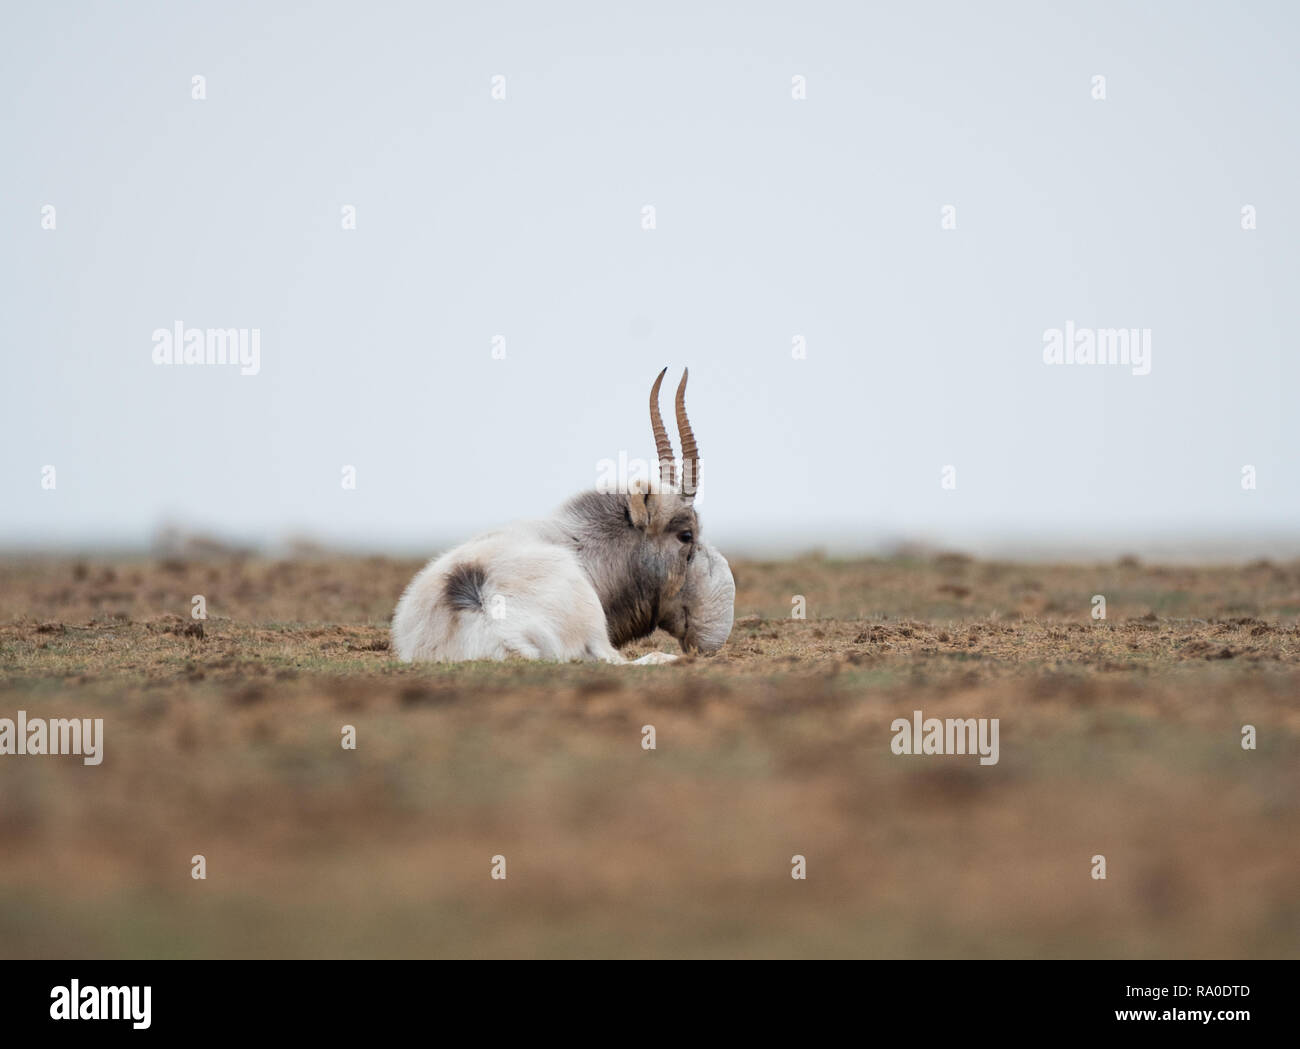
635, 570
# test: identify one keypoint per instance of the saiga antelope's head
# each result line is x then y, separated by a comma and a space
696, 595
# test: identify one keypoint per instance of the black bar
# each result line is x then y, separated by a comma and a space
920, 998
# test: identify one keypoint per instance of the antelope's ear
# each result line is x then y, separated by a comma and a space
638, 506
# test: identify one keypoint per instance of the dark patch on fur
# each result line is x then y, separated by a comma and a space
464, 587
631, 613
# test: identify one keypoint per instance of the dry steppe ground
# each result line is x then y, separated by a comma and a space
1119, 737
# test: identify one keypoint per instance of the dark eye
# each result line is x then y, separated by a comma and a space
686, 537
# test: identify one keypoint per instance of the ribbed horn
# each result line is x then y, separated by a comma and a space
663, 446
690, 453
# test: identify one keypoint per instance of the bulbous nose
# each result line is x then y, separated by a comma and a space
705, 646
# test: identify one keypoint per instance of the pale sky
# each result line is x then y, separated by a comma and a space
774, 217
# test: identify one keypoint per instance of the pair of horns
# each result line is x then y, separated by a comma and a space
664, 447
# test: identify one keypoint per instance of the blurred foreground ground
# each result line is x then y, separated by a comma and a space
1119, 737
